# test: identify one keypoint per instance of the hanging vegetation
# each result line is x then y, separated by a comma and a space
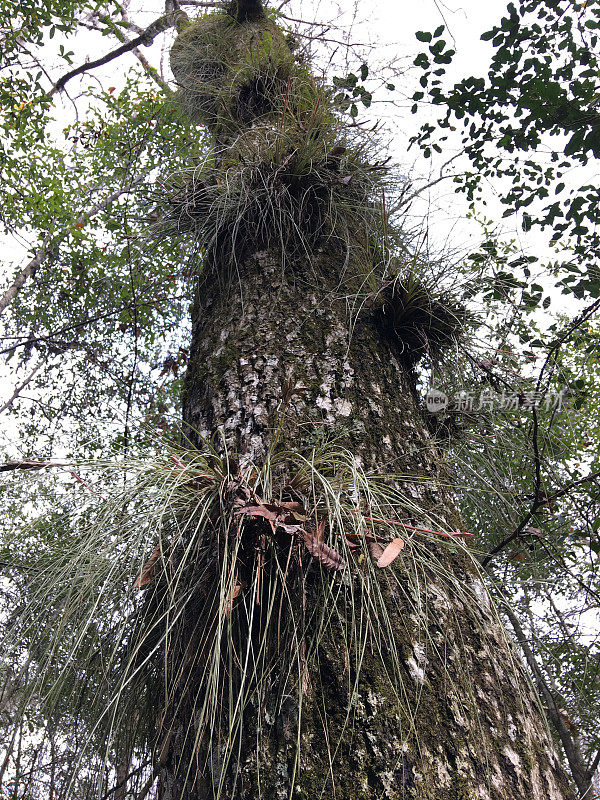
418, 320
220, 586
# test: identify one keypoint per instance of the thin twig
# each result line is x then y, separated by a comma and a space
20, 388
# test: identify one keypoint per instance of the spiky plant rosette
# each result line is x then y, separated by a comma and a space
418, 318
273, 186
213, 588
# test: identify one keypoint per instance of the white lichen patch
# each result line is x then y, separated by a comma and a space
375, 407
347, 375
514, 759
342, 408
443, 774
416, 665
417, 673
374, 699
551, 791
324, 403
497, 779
459, 717
388, 781
481, 594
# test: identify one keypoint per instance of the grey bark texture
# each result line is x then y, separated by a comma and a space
278, 350
469, 725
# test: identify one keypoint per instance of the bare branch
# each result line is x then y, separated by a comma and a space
9, 466
20, 388
572, 751
594, 765
145, 38
25, 274
593, 476
151, 71
441, 177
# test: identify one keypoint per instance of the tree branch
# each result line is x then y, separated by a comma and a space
26, 273
9, 466
539, 498
548, 498
33, 340
145, 38
572, 752
594, 765
20, 388
151, 71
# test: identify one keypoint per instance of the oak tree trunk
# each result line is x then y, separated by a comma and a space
468, 725
437, 707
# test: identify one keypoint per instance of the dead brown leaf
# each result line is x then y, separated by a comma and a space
391, 552
233, 594
147, 572
326, 555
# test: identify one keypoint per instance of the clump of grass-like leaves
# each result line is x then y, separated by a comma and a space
419, 320
274, 187
229, 74
191, 605
285, 173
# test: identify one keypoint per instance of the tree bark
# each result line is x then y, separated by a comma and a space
430, 703
467, 724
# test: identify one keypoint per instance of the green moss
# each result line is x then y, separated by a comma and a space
460, 789
228, 357
229, 71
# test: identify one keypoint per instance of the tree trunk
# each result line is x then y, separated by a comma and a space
416, 695
465, 721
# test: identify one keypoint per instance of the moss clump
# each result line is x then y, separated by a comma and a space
231, 74
283, 173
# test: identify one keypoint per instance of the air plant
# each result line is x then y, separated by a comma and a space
208, 591
417, 319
